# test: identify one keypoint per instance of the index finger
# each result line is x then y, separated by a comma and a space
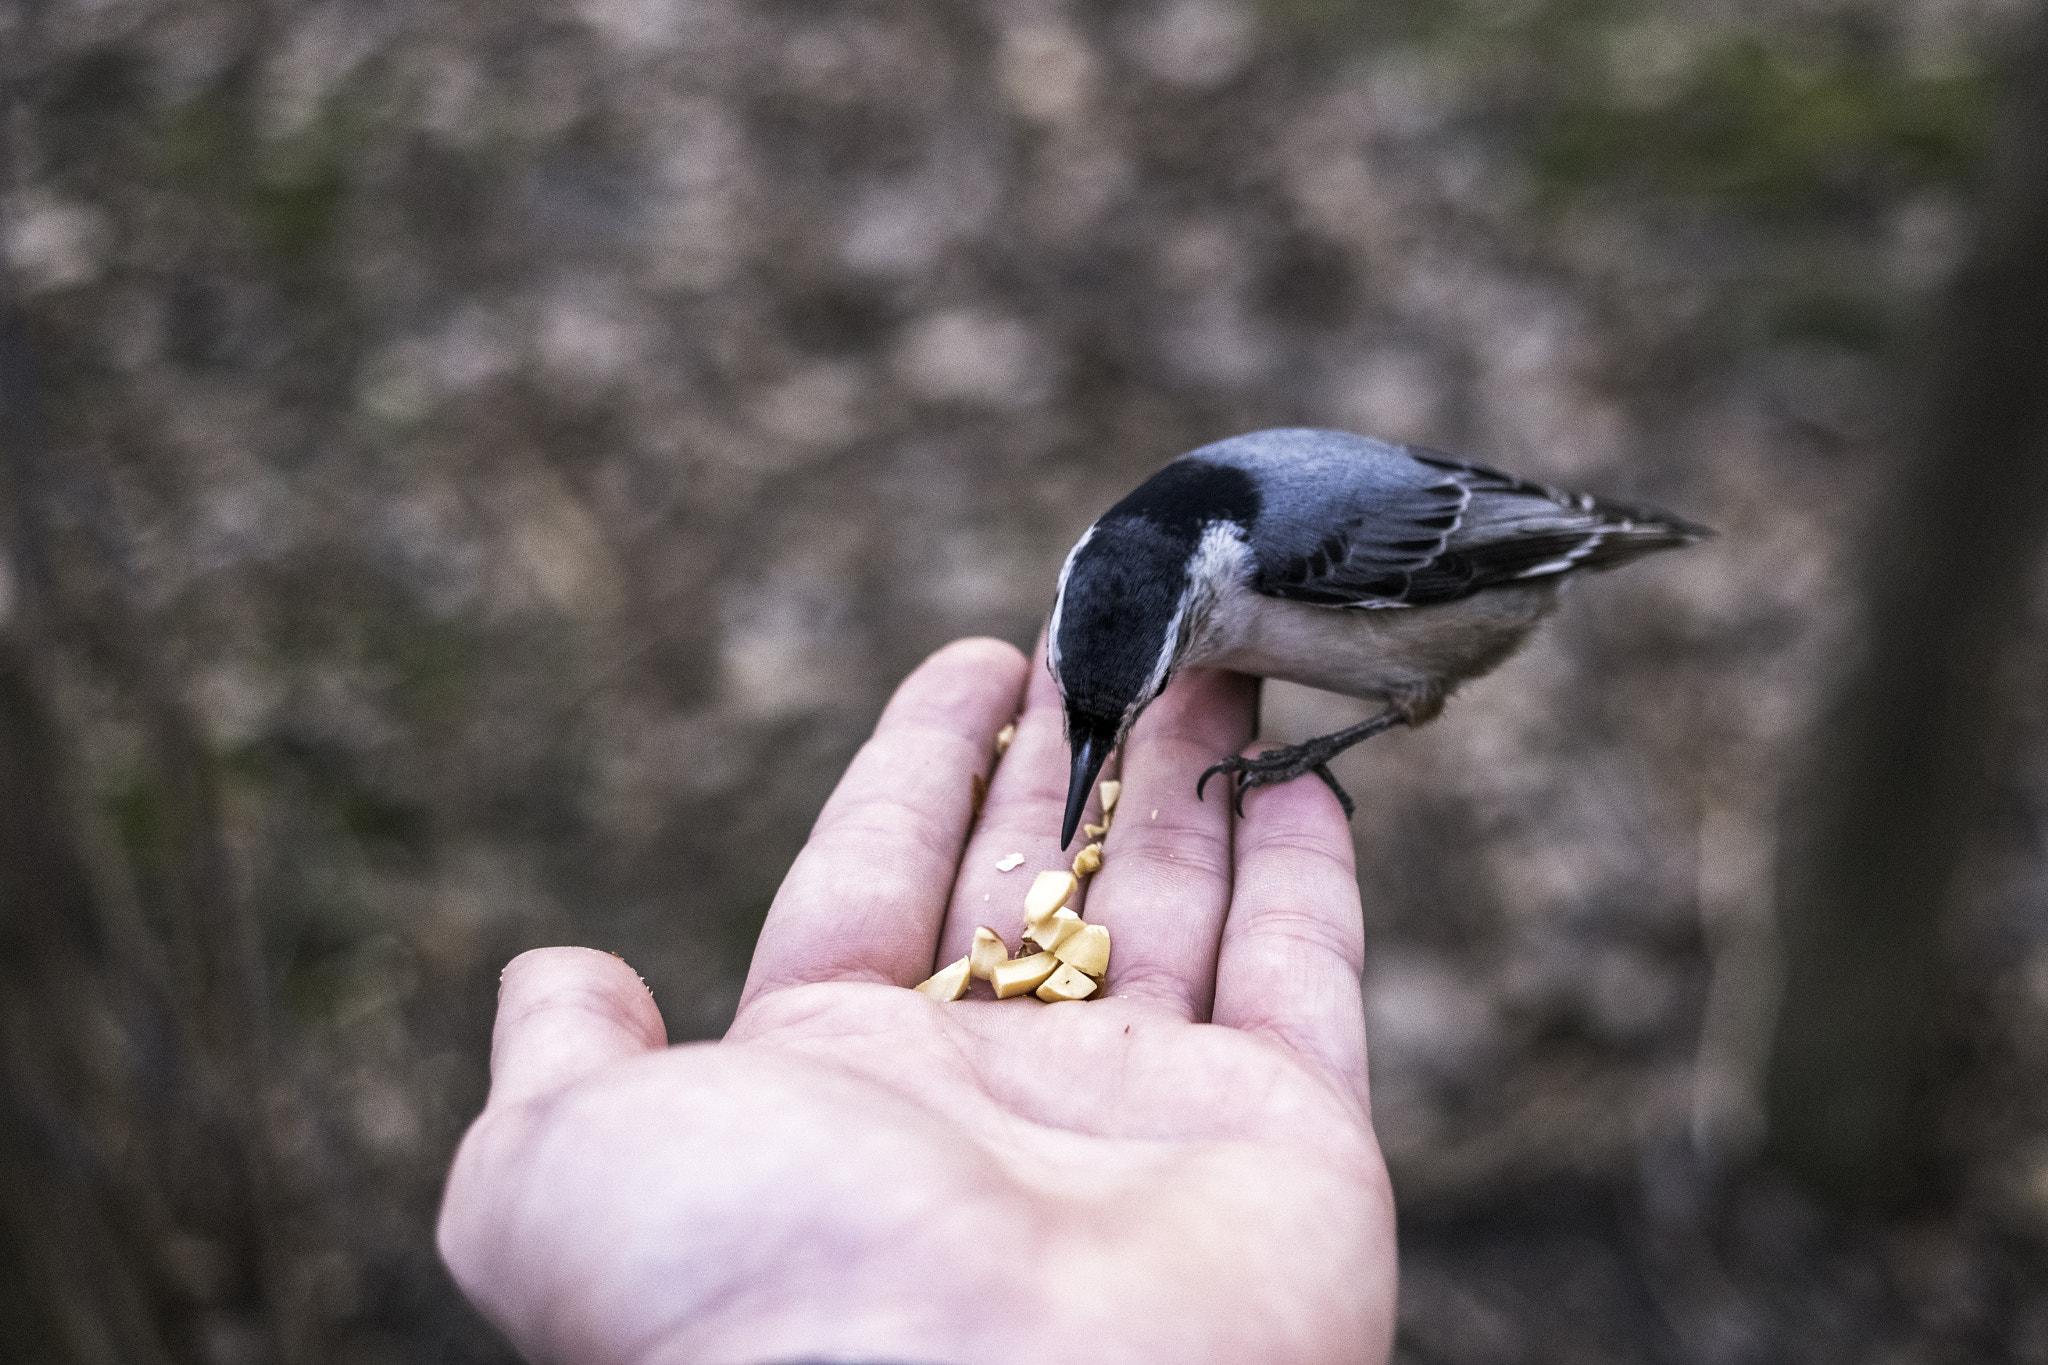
865, 898
1164, 887
1018, 833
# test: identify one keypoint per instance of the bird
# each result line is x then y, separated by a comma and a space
1390, 573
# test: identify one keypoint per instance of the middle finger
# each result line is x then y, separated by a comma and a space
1164, 888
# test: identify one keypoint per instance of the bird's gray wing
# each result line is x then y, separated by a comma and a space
1349, 522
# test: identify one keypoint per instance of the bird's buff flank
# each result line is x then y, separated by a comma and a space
1389, 573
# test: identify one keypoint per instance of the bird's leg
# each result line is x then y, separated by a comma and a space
1311, 756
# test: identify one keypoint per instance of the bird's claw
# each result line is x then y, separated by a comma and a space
1228, 765
1322, 770
1273, 766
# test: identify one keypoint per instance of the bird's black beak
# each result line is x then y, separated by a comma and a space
1091, 746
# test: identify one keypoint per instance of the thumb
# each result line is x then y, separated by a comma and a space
564, 1013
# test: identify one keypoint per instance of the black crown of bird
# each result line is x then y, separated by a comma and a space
1388, 573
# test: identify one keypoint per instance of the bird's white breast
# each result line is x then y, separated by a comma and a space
1394, 654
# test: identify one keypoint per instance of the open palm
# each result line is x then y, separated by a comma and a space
857, 1172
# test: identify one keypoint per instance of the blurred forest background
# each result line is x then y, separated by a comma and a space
474, 473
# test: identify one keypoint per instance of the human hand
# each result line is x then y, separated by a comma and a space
858, 1172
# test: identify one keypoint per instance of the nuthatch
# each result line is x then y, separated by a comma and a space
1390, 573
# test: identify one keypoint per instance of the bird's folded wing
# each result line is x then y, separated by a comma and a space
1410, 527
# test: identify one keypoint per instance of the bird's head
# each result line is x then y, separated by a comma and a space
1119, 627
1133, 594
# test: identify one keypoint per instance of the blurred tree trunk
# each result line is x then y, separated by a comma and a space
77, 1281
141, 1200
1878, 821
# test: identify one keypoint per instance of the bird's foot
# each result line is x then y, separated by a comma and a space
1278, 765
1312, 756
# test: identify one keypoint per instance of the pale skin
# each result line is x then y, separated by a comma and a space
1182, 1170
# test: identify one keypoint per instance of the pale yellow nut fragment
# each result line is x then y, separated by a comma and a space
1088, 861
1009, 861
1048, 893
1065, 984
1086, 950
947, 983
1110, 792
1095, 831
1021, 974
1003, 738
1050, 932
988, 951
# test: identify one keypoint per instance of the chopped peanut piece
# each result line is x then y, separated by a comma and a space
1021, 974
1095, 831
1003, 738
1010, 861
1085, 950
948, 983
1047, 894
1066, 984
1088, 861
1050, 932
988, 951
1110, 792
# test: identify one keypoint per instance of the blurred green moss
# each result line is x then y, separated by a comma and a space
1754, 129
1829, 313
1749, 120
436, 666
1472, 28
296, 213
287, 192
141, 819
